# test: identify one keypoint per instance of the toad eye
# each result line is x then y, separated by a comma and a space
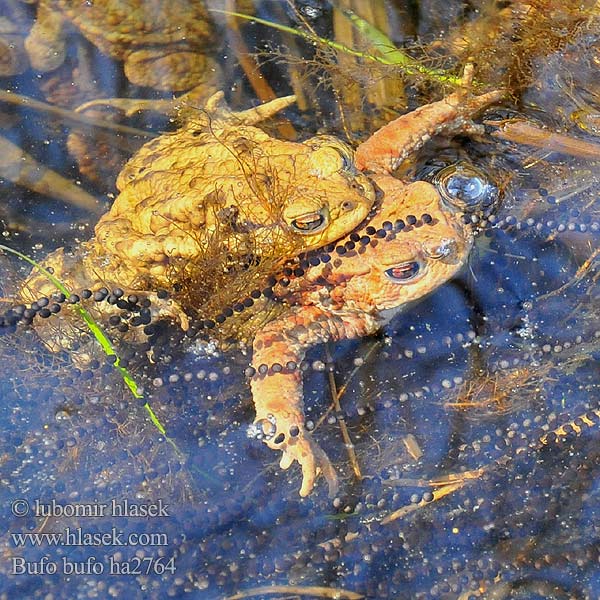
464, 187
310, 223
404, 272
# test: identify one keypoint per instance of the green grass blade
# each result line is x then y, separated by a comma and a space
378, 39
384, 45
100, 336
390, 55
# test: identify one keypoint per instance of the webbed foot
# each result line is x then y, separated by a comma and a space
468, 104
395, 142
167, 308
286, 433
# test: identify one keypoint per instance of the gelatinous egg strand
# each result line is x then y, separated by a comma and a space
21, 313
45, 307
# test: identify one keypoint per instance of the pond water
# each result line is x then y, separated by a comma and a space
466, 435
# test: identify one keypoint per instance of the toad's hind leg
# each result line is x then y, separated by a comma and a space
277, 384
388, 147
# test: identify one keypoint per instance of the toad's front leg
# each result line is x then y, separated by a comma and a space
388, 147
277, 390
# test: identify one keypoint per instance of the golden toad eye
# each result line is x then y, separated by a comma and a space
404, 272
310, 222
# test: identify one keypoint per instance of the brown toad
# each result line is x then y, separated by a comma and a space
350, 296
164, 45
354, 294
219, 182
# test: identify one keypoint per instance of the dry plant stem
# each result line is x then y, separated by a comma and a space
71, 116
581, 272
349, 92
344, 387
524, 132
343, 61
385, 89
374, 346
21, 168
453, 482
296, 80
345, 435
437, 495
407, 482
311, 590
248, 63
130, 106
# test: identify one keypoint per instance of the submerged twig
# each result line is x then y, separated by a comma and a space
21, 168
436, 495
582, 271
342, 423
455, 481
376, 344
250, 67
525, 132
71, 116
309, 590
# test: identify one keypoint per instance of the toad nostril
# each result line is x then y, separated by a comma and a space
348, 205
294, 430
445, 248
279, 439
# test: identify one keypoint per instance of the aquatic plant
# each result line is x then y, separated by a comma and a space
98, 334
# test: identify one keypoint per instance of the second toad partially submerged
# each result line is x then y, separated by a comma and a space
163, 44
375, 273
351, 296
229, 185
